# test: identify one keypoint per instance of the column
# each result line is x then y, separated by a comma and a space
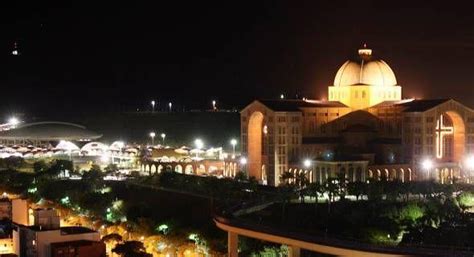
294, 251
232, 244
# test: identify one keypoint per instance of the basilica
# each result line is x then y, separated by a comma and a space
365, 130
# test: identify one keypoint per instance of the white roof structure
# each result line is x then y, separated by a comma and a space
49, 131
366, 71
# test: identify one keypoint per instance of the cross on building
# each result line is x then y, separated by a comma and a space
441, 131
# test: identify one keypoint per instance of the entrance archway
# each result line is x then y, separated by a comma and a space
254, 143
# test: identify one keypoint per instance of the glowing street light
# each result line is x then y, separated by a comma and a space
427, 165
307, 163
13, 121
153, 105
469, 162
170, 105
163, 135
282, 96
152, 135
233, 142
214, 105
199, 145
243, 161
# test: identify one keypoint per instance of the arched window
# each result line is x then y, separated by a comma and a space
363, 94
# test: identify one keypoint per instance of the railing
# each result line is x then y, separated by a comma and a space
346, 243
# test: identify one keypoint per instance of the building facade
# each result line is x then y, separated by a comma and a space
365, 130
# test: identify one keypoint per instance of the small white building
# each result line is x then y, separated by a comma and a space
36, 240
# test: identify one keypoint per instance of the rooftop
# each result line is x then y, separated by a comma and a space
65, 230
294, 105
49, 131
74, 243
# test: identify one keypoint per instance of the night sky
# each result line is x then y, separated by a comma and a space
84, 58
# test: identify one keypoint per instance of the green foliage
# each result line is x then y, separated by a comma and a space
410, 213
466, 200
40, 166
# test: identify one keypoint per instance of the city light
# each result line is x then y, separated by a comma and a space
214, 104
307, 163
163, 136
427, 164
153, 105
470, 162
199, 143
152, 135
170, 105
282, 96
13, 121
243, 160
233, 142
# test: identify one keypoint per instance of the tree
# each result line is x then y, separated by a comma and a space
466, 200
111, 168
131, 249
357, 189
40, 166
94, 177
58, 167
240, 176
301, 181
287, 177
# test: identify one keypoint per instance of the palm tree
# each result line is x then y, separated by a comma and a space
287, 177
301, 181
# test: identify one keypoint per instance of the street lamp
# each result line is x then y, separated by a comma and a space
233, 142
163, 135
427, 165
170, 105
199, 145
13, 121
282, 96
243, 161
152, 135
152, 105
214, 105
307, 163
470, 165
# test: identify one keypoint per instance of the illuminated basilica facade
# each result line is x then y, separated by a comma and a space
364, 131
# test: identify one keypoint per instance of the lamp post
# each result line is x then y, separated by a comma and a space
233, 142
199, 145
307, 163
214, 105
152, 135
13, 122
163, 135
243, 163
470, 166
153, 105
427, 165
170, 105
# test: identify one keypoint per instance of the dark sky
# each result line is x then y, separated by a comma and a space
80, 58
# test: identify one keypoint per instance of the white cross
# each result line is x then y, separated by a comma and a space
441, 131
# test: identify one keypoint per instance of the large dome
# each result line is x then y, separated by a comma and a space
366, 71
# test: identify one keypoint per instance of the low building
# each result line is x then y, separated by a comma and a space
79, 248
37, 240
